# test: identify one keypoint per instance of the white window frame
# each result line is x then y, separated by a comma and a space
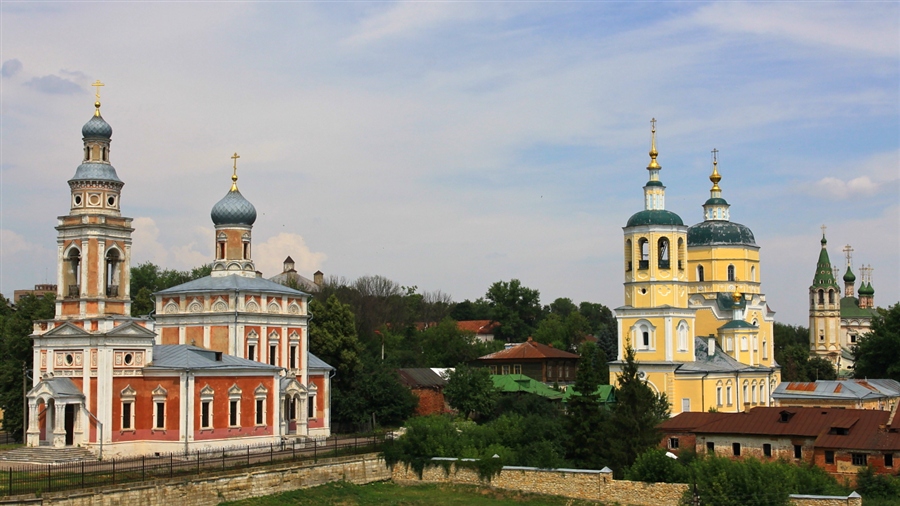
260, 394
234, 395
127, 396
728, 396
682, 331
311, 411
159, 397
719, 395
207, 395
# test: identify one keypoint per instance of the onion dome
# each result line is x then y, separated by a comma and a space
233, 209
654, 212
866, 289
96, 127
849, 277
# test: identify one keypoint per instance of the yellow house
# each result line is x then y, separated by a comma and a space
694, 313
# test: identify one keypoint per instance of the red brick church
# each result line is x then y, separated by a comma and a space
223, 362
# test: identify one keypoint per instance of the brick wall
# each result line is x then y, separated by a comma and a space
211, 490
430, 401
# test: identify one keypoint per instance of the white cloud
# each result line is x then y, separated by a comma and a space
408, 19
269, 256
148, 247
840, 189
12, 243
879, 175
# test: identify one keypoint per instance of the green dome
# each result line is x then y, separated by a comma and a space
716, 202
866, 289
715, 232
654, 217
849, 277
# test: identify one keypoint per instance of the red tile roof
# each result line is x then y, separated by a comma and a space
529, 350
690, 420
478, 326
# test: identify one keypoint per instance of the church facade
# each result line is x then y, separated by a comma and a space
837, 318
694, 312
224, 362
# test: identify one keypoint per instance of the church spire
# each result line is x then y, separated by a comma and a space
654, 191
824, 276
716, 208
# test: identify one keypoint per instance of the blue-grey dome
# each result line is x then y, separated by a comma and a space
96, 172
719, 232
96, 127
233, 209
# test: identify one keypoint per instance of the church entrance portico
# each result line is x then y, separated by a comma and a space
54, 409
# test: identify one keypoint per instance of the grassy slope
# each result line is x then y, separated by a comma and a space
386, 493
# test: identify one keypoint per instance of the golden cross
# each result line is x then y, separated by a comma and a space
234, 175
235, 157
848, 251
653, 124
715, 153
97, 85
823, 229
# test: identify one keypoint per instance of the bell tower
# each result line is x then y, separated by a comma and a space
824, 309
94, 239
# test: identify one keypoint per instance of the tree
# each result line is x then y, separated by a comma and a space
563, 306
471, 391
516, 308
16, 326
148, 278
332, 337
586, 420
468, 310
877, 355
603, 324
637, 413
444, 345
792, 352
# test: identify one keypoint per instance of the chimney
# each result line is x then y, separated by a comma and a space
711, 345
318, 278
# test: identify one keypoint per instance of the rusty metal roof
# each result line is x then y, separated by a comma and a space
529, 350
689, 420
421, 378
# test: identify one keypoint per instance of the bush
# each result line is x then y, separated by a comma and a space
877, 486
654, 466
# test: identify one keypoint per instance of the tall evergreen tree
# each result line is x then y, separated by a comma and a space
638, 411
587, 420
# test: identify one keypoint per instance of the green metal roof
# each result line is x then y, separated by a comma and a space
654, 183
654, 217
738, 324
522, 383
716, 202
824, 275
715, 232
850, 309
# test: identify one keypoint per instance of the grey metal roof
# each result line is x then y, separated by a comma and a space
96, 127
838, 390
96, 171
231, 283
233, 209
719, 362
421, 377
185, 356
60, 387
314, 362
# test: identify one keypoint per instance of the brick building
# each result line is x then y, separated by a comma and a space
535, 360
428, 386
226, 361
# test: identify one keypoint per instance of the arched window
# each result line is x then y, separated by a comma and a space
730, 273
644, 245
113, 268
73, 273
246, 242
831, 296
753, 273
628, 256
681, 254
682, 336
699, 273
642, 335
821, 296
220, 246
663, 253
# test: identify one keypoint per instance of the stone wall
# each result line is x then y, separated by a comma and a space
211, 490
853, 499
574, 483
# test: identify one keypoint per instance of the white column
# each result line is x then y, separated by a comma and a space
59, 427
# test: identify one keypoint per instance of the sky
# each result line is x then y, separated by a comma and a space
450, 145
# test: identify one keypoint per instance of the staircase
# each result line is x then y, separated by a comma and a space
47, 455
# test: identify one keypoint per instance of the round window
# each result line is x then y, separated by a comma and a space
70, 359
94, 199
129, 358
77, 200
111, 201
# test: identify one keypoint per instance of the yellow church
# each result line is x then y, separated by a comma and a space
694, 313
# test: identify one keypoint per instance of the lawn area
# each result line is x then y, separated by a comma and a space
390, 494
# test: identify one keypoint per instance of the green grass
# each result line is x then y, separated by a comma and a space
391, 494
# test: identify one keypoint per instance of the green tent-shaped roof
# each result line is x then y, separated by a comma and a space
824, 275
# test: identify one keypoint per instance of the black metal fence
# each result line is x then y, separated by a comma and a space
38, 479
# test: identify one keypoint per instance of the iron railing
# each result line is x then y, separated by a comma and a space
39, 479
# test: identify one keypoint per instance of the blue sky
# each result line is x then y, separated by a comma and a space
453, 144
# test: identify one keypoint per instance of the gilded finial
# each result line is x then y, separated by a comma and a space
824, 241
234, 187
736, 296
653, 153
97, 84
715, 177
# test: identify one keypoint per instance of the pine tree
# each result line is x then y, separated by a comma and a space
587, 419
638, 411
